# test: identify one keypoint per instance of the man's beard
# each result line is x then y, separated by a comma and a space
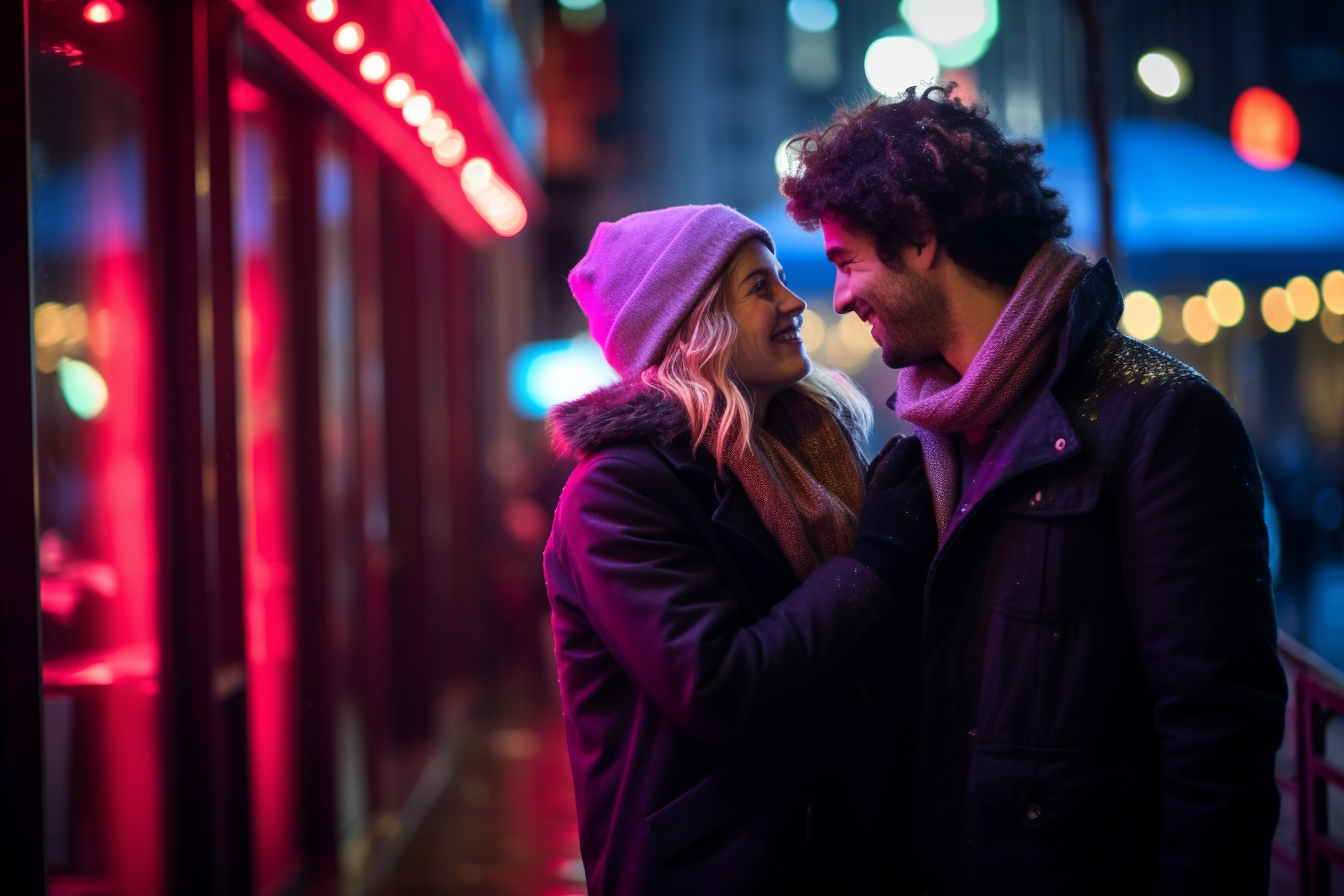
912, 320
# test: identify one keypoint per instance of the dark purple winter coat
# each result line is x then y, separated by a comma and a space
691, 661
1101, 698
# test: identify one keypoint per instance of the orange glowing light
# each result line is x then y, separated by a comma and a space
1265, 131
398, 89
375, 67
1332, 291
1197, 317
349, 37
450, 149
321, 10
1277, 309
1303, 298
100, 12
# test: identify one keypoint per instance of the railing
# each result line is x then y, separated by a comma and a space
1309, 843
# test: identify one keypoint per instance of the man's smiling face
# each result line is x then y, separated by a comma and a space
907, 311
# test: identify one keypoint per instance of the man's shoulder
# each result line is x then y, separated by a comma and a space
1122, 374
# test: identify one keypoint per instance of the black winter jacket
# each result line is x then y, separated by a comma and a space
691, 661
1100, 695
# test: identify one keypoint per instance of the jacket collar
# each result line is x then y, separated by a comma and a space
1037, 431
733, 515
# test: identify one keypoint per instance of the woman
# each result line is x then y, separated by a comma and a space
708, 568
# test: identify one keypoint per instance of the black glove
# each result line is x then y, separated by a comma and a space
897, 535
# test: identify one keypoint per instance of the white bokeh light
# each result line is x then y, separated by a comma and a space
894, 63
945, 21
1159, 73
786, 162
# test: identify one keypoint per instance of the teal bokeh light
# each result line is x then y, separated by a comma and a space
931, 21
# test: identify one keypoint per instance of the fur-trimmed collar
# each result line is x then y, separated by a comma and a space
625, 410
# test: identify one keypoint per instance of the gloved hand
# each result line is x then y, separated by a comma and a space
897, 536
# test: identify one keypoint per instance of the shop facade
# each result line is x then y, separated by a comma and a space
253, 281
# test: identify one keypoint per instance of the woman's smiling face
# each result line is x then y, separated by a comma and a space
769, 356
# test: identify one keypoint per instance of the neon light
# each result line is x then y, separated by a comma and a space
100, 12
398, 89
436, 128
322, 11
349, 37
493, 199
417, 109
417, 39
451, 149
375, 67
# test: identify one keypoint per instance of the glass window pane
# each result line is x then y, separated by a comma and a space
93, 328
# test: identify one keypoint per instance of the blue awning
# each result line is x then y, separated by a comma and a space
1188, 211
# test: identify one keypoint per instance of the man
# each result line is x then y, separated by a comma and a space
1100, 699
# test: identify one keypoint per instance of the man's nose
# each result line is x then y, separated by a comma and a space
841, 300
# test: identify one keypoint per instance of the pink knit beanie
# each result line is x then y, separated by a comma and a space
644, 273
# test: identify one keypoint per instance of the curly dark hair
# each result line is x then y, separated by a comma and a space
925, 164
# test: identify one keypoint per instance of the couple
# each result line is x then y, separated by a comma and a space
1030, 649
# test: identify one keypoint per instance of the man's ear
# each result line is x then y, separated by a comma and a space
927, 252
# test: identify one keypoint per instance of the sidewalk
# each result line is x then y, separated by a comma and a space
504, 824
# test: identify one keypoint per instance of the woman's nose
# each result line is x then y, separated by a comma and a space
791, 304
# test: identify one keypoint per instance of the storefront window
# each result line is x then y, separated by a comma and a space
264, 409
97, 490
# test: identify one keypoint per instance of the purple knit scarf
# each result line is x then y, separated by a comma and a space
940, 404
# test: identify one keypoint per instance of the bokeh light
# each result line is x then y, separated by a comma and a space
896, 62
581, 16
813, 331
1265, 132
321, 10
83, 387
1142, 317
1332, 291
944, 21
1226, 302
958, 31
450, 149
1197, 318
1303, 298
1277, 309
493, 199
1332, 325
436, 128
544, 374
375, 67
786, 161
1173, 331
100, 12
349, 37
813, 16
1163, 74
417, 109
398, 88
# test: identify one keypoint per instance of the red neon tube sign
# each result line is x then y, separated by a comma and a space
449, 142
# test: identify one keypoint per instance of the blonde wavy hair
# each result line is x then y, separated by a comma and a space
697, 371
